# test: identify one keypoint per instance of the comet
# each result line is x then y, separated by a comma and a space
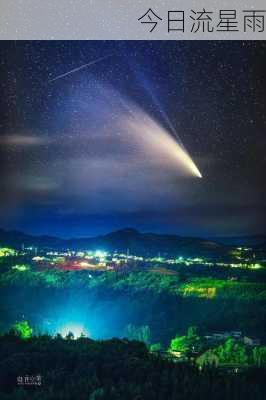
179, 150
152, 141
155, 140
72, 71
187, 160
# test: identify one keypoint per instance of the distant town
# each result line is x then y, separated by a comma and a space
101, 260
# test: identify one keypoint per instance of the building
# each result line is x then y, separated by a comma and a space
251, 341
236, 334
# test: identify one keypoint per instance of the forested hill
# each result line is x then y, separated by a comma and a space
112, 370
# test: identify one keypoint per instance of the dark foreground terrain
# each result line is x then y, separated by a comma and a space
47, 368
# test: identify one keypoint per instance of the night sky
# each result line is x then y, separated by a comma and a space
97, 150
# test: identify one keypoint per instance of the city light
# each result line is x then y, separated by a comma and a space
20, 268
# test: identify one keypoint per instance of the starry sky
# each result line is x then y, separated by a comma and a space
97, 149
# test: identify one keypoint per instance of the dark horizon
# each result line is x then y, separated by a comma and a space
128, 229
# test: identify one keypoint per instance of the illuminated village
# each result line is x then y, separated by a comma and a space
101, 260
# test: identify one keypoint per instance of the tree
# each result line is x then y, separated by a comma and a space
141, 333
259, 356
230, 352
186, 343
208, 359
22, 329
70, 336
179, 343
155, 347
192, 331
97, 394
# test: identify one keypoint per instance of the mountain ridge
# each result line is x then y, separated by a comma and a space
121, 240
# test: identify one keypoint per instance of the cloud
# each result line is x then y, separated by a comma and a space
22, 140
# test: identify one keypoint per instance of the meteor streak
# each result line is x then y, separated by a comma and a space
79, 68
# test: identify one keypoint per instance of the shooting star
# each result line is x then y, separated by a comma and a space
79, 68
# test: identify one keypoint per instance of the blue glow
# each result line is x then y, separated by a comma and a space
76, 329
